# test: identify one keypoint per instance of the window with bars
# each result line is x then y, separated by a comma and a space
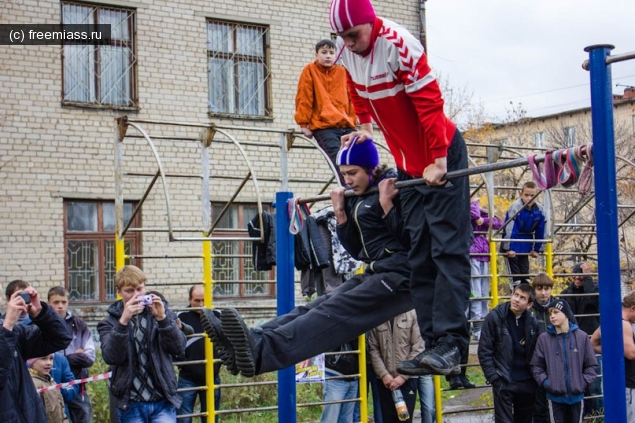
89, 242
100, 75
233, 269
238, 69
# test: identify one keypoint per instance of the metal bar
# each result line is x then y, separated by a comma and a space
201, 238
165, 256
229, 203
612, 59
285, 302
490, 167
169, 175
217, 230
137, 209
607, 232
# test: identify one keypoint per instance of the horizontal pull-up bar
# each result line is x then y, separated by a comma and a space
609, 59
490, 167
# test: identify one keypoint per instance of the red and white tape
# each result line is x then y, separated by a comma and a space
76, 382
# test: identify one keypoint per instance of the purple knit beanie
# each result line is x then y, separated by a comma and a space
345, 14
363, 154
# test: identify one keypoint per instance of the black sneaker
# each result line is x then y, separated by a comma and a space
465, 382
443, 360
212, 327
414, 367
246, 343
455, 382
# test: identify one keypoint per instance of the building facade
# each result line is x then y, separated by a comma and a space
232, 64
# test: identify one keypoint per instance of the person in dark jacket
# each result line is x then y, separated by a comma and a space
507, 343
80, 354
543, 285
524, 221
587, 305
19, 401
564, 364
587, 308
193, 375
263, 252
139, 337
369, 225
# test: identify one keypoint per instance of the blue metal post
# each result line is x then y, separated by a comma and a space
286, 302
607, 234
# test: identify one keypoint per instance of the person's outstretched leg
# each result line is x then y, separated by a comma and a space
210, 319
347, 313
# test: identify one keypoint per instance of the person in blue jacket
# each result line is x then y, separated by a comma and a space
62, 373
524, 221
564, 364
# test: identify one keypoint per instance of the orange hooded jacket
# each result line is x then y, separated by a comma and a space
323, 100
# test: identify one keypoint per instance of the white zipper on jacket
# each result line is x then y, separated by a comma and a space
359, 229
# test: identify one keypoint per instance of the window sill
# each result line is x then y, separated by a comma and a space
242, 117
100, 106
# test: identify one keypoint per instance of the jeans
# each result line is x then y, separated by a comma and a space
425, 387
480, 288
335, 390
594, 405
79, 409
189, 399
147, 412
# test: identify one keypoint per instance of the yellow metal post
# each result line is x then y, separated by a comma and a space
438, 406
363, 384
120, 253
120, 256
549, 258
493, 269
209, 348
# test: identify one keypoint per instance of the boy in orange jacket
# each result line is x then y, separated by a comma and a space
323, 108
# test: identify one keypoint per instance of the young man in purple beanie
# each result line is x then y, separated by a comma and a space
392, 84
369, 225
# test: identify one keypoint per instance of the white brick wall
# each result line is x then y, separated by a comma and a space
48, 151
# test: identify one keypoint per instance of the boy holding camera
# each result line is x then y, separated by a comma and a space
139, 337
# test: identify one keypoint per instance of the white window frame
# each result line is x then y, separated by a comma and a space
239, 75
105, 75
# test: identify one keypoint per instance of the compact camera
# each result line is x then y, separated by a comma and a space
26, 297
145, 300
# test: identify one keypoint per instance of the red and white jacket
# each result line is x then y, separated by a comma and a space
393, 85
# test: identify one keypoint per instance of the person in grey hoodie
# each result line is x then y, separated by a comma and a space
564, 364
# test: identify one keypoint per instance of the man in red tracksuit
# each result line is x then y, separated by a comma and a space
391, 84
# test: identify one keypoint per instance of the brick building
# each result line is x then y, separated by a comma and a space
234, 64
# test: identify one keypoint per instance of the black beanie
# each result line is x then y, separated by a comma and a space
563, 306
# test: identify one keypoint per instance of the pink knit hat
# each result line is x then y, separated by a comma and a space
345, 14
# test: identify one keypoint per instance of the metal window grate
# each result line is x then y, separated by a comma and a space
238, 68
101, 75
